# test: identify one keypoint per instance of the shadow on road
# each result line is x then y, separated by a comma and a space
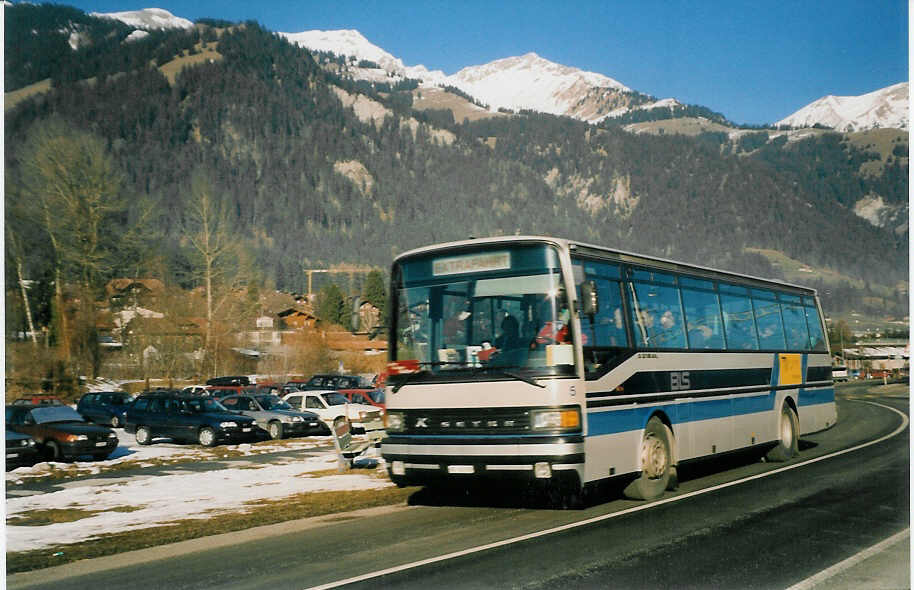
539, 495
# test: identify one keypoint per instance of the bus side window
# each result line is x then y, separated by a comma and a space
816, 338
656, 311
607, 327
739, 323
768, 320
795, 332
702, 314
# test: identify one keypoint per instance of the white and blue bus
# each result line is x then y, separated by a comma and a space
548, 359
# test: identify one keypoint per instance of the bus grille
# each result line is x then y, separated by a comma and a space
467, 421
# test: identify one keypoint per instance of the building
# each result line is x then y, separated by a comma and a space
878, 359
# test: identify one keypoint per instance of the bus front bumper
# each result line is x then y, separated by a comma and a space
425, 461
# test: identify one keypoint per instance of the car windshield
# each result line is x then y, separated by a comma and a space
50, 414
272, 402
335, 399
203, 404
116, 398
501, 307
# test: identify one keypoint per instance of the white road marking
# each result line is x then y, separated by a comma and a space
580, 523
851, 561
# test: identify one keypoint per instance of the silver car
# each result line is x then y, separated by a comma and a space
274, 416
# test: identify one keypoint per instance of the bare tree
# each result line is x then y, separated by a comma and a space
16, 252
68, 185
207, 229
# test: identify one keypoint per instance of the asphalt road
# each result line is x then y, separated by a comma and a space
719, 530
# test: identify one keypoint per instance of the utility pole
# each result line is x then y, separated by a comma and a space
309, 272
350, 270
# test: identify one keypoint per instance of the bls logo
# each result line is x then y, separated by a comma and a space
679, 380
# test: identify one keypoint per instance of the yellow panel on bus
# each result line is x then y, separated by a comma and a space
790, 369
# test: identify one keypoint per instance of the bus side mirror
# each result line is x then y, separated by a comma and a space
590, 303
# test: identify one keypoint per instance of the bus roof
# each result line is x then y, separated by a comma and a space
609, 253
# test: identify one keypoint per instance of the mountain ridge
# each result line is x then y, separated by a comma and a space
308, 177
530, 82
886, 107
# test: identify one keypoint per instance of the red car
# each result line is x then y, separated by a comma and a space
372, 397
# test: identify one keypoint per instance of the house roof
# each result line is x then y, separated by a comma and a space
297, 312
121, 285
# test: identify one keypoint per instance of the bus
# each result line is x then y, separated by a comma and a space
566, 364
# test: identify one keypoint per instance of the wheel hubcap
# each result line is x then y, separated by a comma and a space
786, 430
653, 457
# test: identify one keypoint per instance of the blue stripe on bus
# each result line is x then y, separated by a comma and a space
616, 421
816, 396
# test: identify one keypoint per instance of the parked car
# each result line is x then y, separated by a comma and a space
195, 390
187, 418
274, 416
39, 400
220, 391
21, 450
229, 380
324, 382
60, 432
371, 397
332, 404
105, 407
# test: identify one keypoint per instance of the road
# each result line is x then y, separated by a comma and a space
744, 524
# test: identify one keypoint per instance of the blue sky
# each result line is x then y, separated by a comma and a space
755, 62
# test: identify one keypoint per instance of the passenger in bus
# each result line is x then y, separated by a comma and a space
510, 334
508, 349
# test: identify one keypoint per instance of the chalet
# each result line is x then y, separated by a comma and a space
126, 291
297, 318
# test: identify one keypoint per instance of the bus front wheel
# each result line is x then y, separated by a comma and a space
657, 470
788, 436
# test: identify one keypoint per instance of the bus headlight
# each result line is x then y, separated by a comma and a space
567, 419
394, 421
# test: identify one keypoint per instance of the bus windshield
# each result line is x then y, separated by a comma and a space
504, 307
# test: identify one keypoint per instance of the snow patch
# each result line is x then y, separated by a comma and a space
155, 500
147, 18
887, 107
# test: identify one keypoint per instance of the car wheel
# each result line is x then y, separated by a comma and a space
206, 437
143, 435
52, 450
115, 422
275, 430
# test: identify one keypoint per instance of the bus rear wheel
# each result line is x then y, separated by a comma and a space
657, 469
788, 436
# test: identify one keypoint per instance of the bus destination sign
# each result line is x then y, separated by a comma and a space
473, 263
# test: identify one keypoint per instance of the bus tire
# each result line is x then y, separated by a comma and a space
788, 436
656, 460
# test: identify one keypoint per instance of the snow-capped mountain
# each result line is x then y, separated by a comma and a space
352, 43
887, 107
148, 18
514, 83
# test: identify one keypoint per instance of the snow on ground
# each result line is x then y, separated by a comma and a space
136, 502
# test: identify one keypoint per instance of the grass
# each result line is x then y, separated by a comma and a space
253, 514
58, 515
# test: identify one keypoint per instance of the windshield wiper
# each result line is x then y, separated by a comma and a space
506, 371
406, 379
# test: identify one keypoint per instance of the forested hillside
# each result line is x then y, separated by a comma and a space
307, 182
